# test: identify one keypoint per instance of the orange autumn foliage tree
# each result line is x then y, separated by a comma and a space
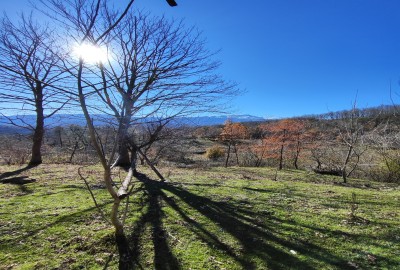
231, 135
280, 137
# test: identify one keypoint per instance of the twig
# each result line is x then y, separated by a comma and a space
93, 197
173, 237
151, 165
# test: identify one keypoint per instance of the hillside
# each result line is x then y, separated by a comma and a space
216, 218
381, 113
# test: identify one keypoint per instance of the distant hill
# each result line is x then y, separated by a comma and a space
78, 119
8, 129
218, 120
380, 113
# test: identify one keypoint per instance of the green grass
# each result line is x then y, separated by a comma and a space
217, 218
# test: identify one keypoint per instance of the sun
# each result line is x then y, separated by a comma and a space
90, 53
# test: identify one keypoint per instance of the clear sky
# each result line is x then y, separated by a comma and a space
295, 57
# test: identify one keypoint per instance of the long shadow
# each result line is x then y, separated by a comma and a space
258, 190
258, 239
163, 256
247, 231
13, 179
206, 236
219, 185
20, 182
68, 218
16, 172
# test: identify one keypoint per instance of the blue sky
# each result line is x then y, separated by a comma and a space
295, 57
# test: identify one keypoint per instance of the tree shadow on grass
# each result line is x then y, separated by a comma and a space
69, 218
13, 179
19, 181
257, 234
16, 172
163, 256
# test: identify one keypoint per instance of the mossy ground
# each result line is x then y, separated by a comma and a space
215, 218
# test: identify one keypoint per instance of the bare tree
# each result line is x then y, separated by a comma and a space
29, 76
78, 141
351, 134
157, 69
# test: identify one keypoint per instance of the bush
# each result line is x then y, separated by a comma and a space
388, 172
215, 153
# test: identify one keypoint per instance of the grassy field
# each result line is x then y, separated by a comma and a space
216, 218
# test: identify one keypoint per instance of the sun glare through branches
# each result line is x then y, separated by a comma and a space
90, 53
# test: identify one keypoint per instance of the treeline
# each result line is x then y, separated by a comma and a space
352, 143
382, 112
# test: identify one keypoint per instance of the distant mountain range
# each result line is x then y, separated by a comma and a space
218, 120
78, 119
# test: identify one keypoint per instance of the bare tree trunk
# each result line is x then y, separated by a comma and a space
296, 166
281, 151
236, 154
296, 157
73, 152
125, 253
319, 164
123, 159
123, 151
344, 173
281, 158
227, 155
36, 157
